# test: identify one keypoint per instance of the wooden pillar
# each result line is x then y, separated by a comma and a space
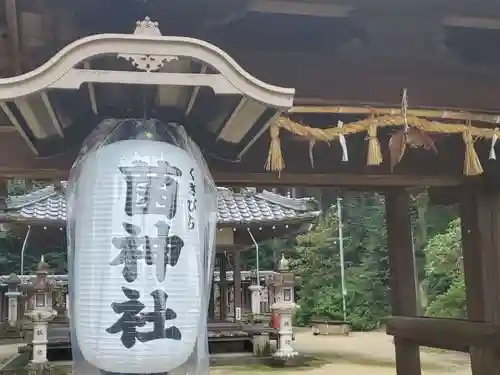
480, 218
223, 286
237, 285
403, 276
4, 193
211, 302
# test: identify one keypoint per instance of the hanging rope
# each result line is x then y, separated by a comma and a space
469, 133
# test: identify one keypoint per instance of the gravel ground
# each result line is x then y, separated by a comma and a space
369, 353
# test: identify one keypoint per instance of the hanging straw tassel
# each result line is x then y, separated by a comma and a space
374, 152
493, 155
472, 165
275, 162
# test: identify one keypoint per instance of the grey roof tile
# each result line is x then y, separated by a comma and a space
49, 204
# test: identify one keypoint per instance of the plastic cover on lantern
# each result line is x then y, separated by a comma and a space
142, 210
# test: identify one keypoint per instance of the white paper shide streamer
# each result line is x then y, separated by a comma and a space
343, 143
493, 155
140, 259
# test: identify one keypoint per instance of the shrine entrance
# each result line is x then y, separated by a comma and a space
252, 135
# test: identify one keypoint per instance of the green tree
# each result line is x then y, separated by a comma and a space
444, 274
318, 265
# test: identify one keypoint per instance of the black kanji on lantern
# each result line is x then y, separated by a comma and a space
151, 189
190, 222
158, 317
129, 321
130, 251
132, 318
192, 189
161, 250
192, 205
192, 201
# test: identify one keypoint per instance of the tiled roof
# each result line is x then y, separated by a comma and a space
49, 204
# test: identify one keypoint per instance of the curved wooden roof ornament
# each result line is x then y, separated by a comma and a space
170, 63
146, 43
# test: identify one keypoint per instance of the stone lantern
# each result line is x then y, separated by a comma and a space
13, 293
285, 306
40, 290
40, 311
256, 291
12, 327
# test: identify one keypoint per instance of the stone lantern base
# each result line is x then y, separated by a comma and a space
40, 368
285, 350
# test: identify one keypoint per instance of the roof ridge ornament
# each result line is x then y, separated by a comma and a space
147, 27
147, 63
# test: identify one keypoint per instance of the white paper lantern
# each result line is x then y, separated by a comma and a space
138, 267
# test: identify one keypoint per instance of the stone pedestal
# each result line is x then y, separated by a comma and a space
256, 292
44, 368
261, 345
40, 318
285, 349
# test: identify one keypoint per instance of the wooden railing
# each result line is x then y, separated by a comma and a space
451, 334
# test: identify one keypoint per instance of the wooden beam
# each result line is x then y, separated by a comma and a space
17, 160
403, 276
419, 112
473, 260
91, 89
299, 8
194, 94
340, 80
451, 334
13, 30
486, 23
335, 179
20, 131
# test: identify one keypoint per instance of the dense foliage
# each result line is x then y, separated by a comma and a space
444, 281
317, 264
437, 249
